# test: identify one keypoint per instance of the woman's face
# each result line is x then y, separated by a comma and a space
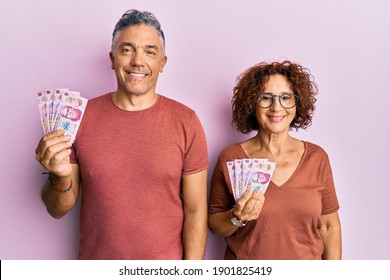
276, 119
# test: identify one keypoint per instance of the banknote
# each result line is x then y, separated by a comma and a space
42, 110
249, 174
61, 108
260, 175
65, 100
230, 168
238, 176
49, 107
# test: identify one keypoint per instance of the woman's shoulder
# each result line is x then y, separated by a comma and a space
231, 147
315, 149
231, 152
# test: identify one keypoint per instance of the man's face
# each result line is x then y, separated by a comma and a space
137, 59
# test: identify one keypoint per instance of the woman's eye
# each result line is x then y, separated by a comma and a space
266, 97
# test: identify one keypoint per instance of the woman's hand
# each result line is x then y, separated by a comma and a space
249, 206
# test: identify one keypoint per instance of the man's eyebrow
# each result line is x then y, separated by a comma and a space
152, 47
126, 44
133, 46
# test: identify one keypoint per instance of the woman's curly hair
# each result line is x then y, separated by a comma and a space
251, 83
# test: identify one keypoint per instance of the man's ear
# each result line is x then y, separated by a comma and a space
163, 62
112, 60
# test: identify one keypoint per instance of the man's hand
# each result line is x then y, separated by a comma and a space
53, 153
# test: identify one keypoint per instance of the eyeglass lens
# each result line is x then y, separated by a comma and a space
286, 100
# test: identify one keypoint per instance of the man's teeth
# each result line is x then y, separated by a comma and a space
137, 75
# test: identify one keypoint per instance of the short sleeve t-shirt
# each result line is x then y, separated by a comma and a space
289, 223
131, 164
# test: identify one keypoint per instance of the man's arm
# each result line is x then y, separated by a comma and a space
53, 153
194, 194
331, 236
59, 203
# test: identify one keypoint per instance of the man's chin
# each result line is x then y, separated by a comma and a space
132, 91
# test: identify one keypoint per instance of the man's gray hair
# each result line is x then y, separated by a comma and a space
135, 17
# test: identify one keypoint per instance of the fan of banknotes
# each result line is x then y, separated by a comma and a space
61, 108
249, 174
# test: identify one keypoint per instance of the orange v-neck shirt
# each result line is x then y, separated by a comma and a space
289, 223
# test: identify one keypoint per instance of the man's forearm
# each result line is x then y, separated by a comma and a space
194, 235
58, 202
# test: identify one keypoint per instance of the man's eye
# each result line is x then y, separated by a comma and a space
151, 53
126, 50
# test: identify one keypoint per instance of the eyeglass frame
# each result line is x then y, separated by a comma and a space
280, 102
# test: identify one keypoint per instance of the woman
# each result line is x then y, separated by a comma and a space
296, 218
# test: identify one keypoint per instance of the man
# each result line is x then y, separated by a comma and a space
140, 157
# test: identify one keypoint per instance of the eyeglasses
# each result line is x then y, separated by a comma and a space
287, 100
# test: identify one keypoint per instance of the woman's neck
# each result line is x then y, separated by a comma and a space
274, 144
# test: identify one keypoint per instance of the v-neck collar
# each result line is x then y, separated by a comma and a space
292, 175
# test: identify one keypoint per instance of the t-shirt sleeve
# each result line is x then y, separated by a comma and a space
73, 159
329, 198
196, 155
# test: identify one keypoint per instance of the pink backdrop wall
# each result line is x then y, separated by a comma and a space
346, 45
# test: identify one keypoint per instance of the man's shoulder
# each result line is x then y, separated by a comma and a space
175, 105
177, 109
96, 103
99, 99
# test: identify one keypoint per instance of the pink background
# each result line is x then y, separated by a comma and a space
345, 44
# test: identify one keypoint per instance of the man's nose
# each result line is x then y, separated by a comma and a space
137, 59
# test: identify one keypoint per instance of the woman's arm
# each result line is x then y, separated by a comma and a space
331, 236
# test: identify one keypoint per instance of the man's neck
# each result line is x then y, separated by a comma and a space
134, 102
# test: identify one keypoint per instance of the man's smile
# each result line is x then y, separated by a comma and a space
137, 75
